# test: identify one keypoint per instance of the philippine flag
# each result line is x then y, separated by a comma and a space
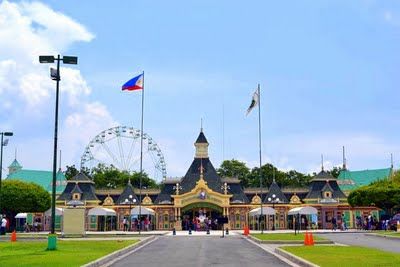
134, 83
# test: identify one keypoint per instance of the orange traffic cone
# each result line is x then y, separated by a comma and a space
246, 230
306, 239
311, 239
13, 236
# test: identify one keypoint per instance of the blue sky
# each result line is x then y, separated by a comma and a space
328, 72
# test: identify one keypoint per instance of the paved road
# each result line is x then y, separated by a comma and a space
200, 251
361, 239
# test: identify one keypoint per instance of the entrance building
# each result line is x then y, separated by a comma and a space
201, 196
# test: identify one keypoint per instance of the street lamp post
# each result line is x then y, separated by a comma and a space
3, 143
52, 241
273, 200
130, 201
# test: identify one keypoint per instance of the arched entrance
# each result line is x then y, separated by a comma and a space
201, 216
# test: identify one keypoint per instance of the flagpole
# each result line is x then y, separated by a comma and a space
259, 143
141, 161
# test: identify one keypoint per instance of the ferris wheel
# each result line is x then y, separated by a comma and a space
120, 147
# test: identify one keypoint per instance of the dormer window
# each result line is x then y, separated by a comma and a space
328, 194
76, 196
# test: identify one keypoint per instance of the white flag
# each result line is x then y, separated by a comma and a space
254, 101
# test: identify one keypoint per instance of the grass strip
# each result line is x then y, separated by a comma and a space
329, 256
68, 253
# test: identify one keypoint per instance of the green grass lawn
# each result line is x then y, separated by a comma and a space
284, 236
68, 253
327, 256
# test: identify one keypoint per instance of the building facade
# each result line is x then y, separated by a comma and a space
201, 196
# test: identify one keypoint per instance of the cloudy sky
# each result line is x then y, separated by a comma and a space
329, 75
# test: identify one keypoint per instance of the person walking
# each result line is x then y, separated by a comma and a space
3, 225
334, 225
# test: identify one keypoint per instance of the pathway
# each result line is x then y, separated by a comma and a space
200, 251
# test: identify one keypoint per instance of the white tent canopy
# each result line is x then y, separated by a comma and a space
143, 211
308, 210
99, 211
265, 211
21, 216
59, 212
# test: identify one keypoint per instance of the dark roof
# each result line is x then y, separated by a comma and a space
76, 190
316, 188
238, 195
81, 177
323, 175
193, 175
165, 195
274, 189
201, 138
88, 192
128, 190
327, 187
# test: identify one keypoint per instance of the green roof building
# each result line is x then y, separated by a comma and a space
350, 180
42, 178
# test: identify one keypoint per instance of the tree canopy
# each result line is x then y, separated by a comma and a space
251, 178
111, 177
384, 194
17, 196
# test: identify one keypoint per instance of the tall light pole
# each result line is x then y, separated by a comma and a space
3, 143
273, 200
52, 240
130, 200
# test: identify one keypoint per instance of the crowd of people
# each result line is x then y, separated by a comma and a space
136, 224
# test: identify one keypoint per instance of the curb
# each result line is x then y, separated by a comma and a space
294, 258
289, 242
384, 236
119, 254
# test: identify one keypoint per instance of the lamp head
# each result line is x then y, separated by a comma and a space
130, 196
8, 133
273, 195
269, 199
70, 60
46, 59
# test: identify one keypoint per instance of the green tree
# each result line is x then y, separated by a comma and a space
384, 194
234, 168
17, 196
109, 176
335, 171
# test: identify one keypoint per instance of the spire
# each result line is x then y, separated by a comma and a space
344, 160
391, 161
322, 162
273, 177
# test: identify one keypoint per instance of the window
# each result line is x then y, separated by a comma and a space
328, 194
76, 196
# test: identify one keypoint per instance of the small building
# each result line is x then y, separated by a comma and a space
40, 177
350, 180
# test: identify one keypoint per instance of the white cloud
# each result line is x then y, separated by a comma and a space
27, 30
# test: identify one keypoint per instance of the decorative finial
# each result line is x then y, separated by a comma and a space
344, 160
322, 162
273, 177
129, 181
201, 169
201, 125
15, 153
391, 161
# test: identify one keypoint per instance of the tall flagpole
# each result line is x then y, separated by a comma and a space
141, 162
259, 142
